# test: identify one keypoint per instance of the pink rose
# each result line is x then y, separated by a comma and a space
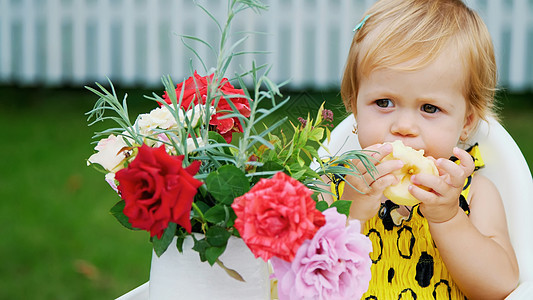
195, 88
276, 216
158, 190
335, 264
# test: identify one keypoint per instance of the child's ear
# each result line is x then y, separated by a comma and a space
471, 120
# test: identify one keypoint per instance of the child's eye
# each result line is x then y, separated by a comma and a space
384, 103
430, 109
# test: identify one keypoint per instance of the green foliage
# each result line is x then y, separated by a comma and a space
108, 101
227, 169
343, 206
227, 183
322, 205
161, 244
212, 245
295, 152
118, 212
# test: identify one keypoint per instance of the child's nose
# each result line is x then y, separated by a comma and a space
405, 125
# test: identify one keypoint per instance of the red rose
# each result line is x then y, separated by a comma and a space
276, 216
192, 88
196, 88
158, 190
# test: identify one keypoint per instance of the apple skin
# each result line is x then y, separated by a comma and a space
414, 163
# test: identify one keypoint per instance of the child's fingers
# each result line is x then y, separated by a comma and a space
383, 169
382, 150
452, 173
435, 183
366, 181
421, 194
378, 151
382, 183
466, 160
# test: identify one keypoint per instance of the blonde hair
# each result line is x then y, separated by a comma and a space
399, 31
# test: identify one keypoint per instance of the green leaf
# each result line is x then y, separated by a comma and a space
300, 160
311, 152
200, 246
316, 134
204, 207
213, 253
118, 212
216, 214
217, 139
322, 205
179, 243
302, 139
161, 245
217, 236
231, 218
213, 135
343, 206
269, 166
227, 183
298, 174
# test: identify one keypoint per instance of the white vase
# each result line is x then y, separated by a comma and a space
177, 275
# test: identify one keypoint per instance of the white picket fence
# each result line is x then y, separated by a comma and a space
77, 42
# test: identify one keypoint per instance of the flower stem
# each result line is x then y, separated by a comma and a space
199, 212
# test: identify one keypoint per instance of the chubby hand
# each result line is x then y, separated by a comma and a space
440, 203
367, 198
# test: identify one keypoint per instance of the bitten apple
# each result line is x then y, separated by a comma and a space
414, 163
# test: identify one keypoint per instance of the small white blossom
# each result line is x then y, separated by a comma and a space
110, 153
191, 146
110, 179
197, 113
160, 117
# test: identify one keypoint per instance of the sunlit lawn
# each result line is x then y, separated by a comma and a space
58, 239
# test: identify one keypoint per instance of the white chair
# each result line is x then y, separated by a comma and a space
506, 167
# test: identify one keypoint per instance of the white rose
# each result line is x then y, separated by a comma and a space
198, 113
110, 153
110, 179
191, 146
160, 117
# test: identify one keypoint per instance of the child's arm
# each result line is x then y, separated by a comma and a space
476, 249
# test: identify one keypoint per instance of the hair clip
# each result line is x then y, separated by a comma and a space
361, 23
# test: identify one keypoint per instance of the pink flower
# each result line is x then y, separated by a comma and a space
335, 264
276, 216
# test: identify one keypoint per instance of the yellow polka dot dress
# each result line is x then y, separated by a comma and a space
406, 261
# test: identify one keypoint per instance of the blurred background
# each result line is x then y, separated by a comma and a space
58, 239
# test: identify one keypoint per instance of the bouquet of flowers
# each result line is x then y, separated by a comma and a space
204, 161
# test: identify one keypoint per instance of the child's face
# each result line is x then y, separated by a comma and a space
426, 108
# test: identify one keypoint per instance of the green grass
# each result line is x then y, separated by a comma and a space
517, 118
58, 239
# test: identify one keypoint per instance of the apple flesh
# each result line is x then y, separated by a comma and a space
414, 163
